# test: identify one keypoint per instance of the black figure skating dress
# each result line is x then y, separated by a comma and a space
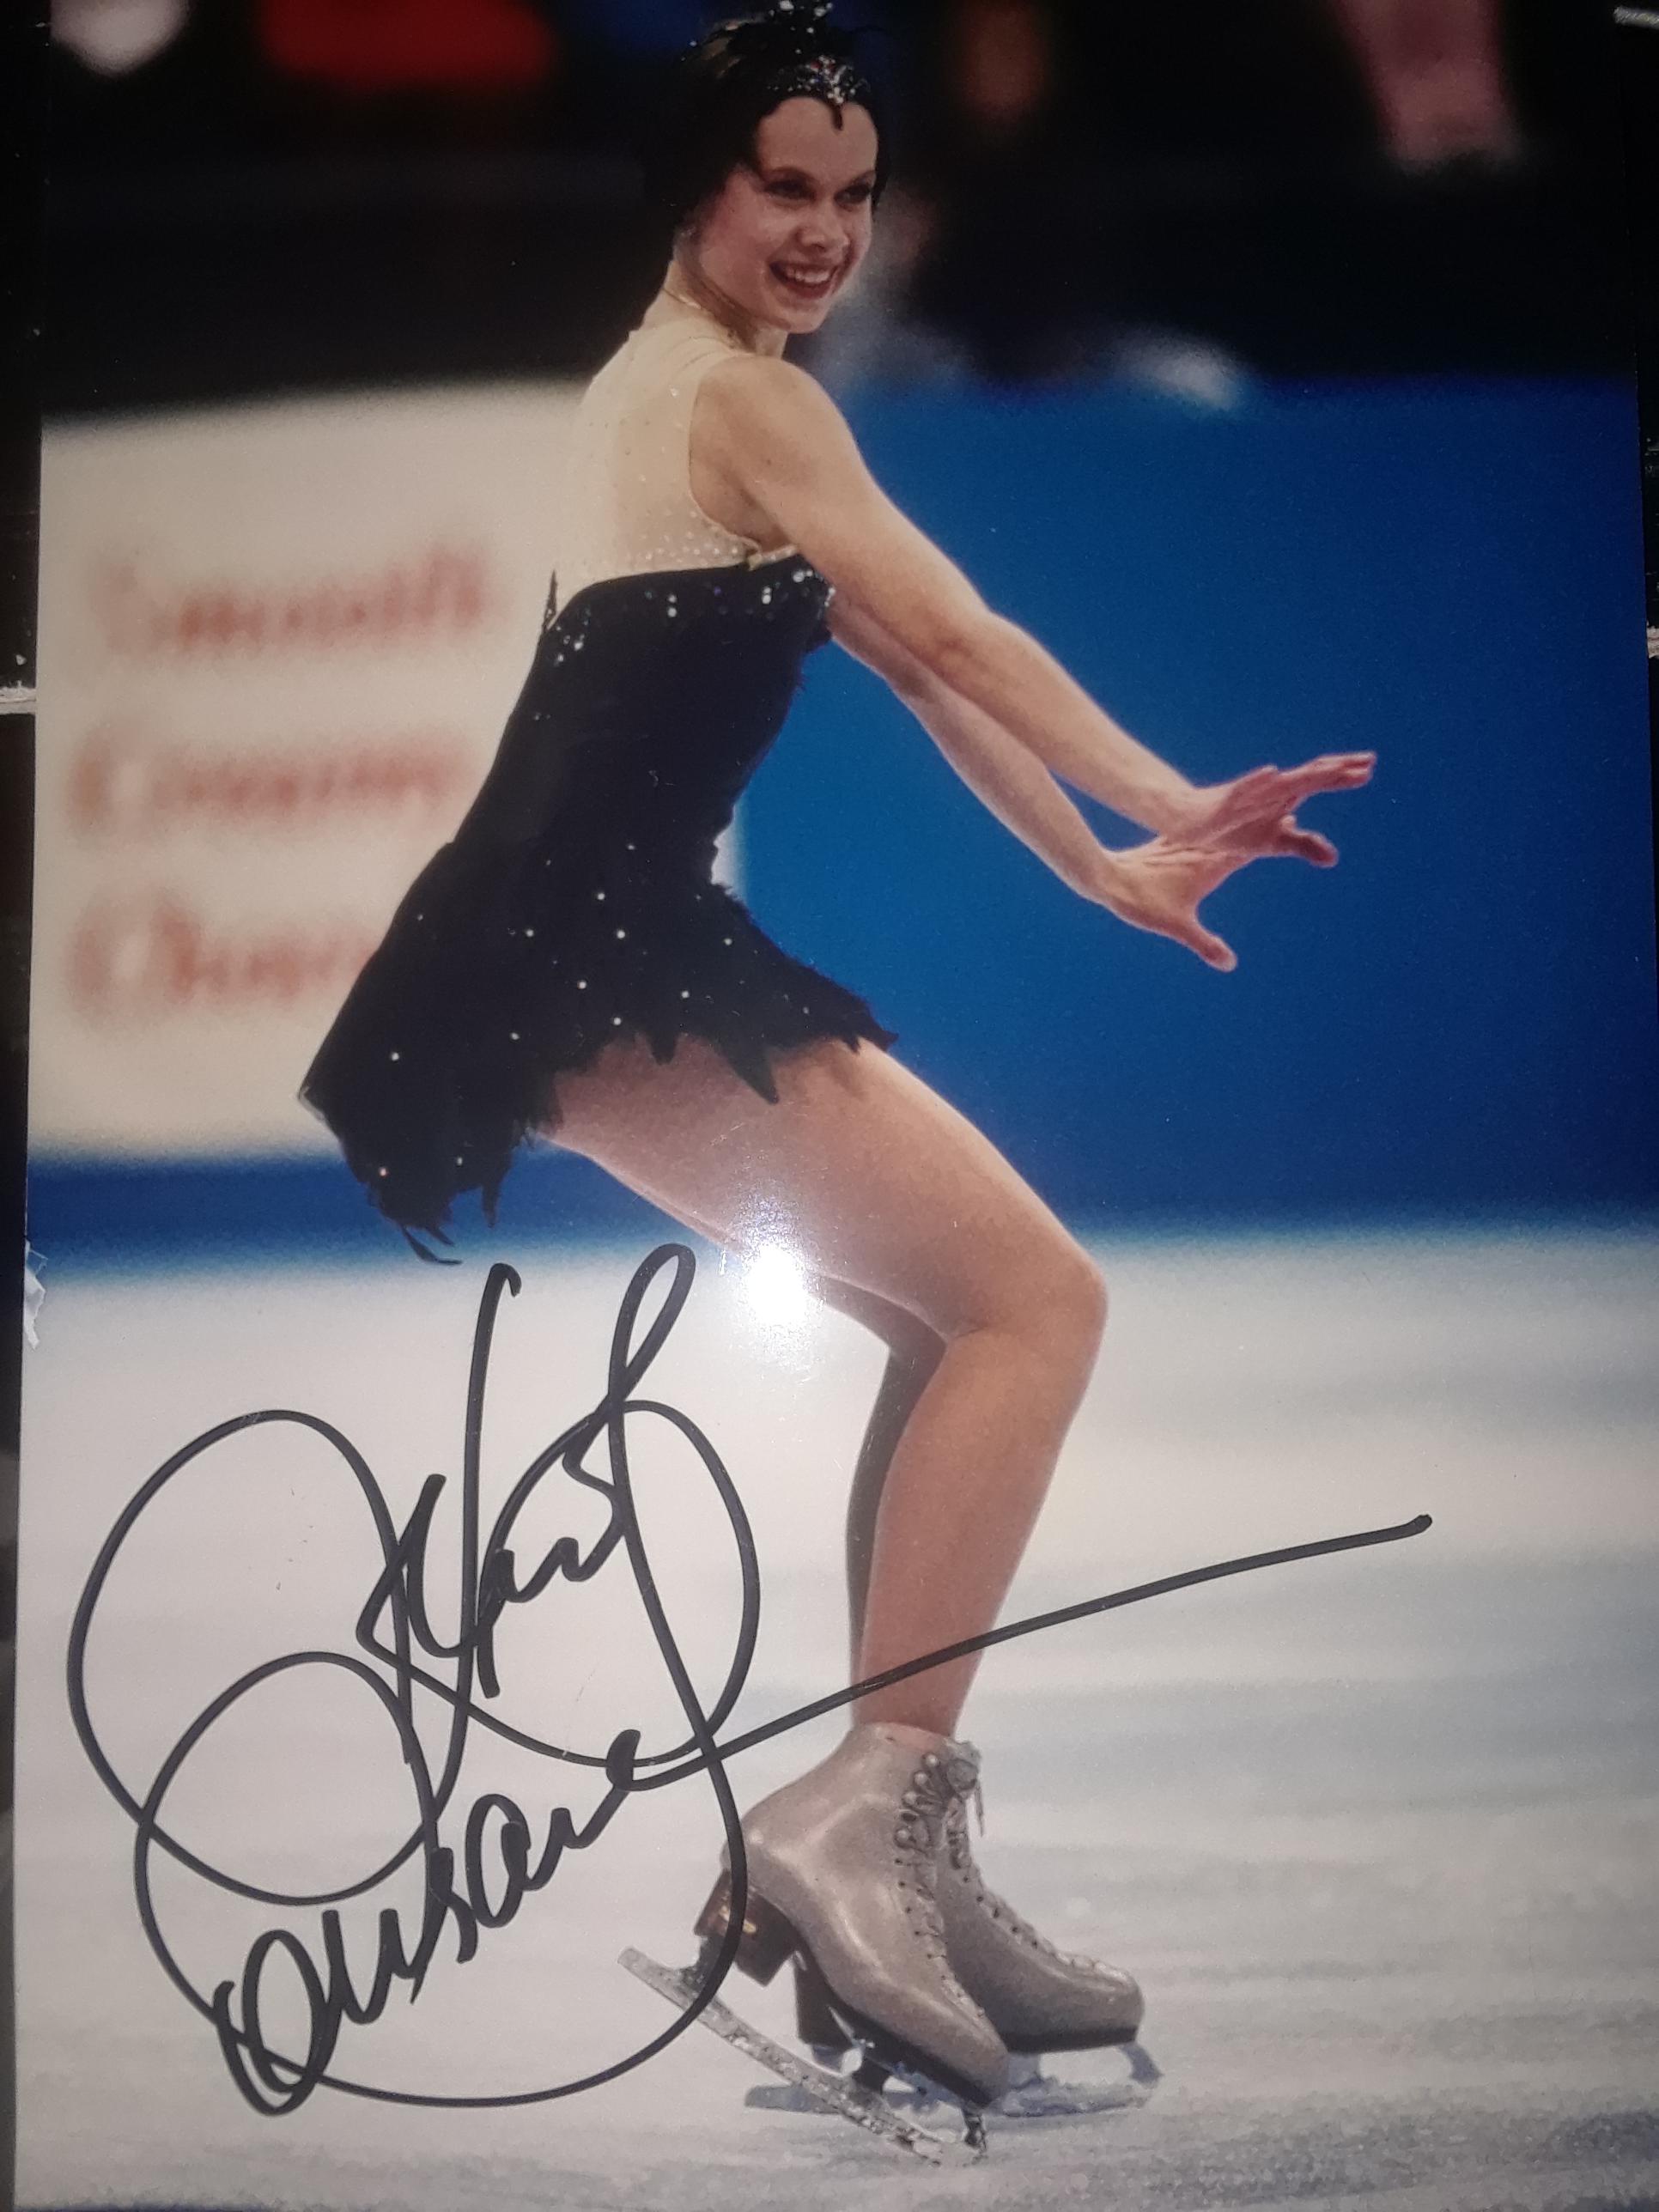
576, 903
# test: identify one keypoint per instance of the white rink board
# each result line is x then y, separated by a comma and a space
278, 643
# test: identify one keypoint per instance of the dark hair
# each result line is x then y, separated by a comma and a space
732, 80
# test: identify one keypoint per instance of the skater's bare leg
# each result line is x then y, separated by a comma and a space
1032, 1993
913, 1353
873, 1182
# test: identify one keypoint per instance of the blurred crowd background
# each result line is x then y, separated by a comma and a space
250, 195
1271, 360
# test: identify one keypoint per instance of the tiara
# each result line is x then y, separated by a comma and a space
824, 78
799, 24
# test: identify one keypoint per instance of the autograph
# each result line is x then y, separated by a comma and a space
501, 1863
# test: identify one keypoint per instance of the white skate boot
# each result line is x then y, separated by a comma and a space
1037, 1997
843, 1866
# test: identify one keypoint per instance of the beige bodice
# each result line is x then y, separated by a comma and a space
627, 507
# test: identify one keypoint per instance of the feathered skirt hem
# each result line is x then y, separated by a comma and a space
445, 1057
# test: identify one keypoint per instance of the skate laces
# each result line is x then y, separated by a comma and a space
924, 1813
959, 1845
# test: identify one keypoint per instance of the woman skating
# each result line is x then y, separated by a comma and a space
568, 965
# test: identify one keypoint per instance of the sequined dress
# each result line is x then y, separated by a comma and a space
576, 903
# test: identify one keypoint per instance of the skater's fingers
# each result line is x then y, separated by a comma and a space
1253, 795
1331, 772
1303, 845
1213, 951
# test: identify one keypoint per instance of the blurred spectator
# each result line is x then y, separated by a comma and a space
114, 36
1003, 66
1436, 74
1007, 255
386, 46
1010, 194
261, 194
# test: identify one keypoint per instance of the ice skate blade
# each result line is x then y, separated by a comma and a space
1039, 2096
1031, 2094
817, 2090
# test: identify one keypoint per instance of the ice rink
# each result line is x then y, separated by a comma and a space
1376, 1832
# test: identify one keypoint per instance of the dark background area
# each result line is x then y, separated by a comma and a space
294, 193
1638, 88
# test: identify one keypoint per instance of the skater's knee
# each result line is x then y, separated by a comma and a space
1053, 1294
1075, 1298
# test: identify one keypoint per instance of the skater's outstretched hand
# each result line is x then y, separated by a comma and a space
1255, 815
1160, 885
1224, 826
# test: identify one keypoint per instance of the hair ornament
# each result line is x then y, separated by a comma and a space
824, 78
733, 77
818, 75
794, 33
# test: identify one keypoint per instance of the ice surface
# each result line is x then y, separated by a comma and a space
1377, 1833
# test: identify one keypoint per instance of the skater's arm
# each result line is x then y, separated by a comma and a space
1010, 780
1156, 886
768, 442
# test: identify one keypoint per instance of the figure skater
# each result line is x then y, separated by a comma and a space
568, 965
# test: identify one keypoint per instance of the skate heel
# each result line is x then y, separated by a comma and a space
767, 1939
815, 2023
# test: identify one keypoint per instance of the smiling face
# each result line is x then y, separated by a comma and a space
782, 238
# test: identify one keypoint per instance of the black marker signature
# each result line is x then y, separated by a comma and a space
502, 1861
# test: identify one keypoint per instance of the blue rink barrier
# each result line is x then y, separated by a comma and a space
1457, 1019
255, 1214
